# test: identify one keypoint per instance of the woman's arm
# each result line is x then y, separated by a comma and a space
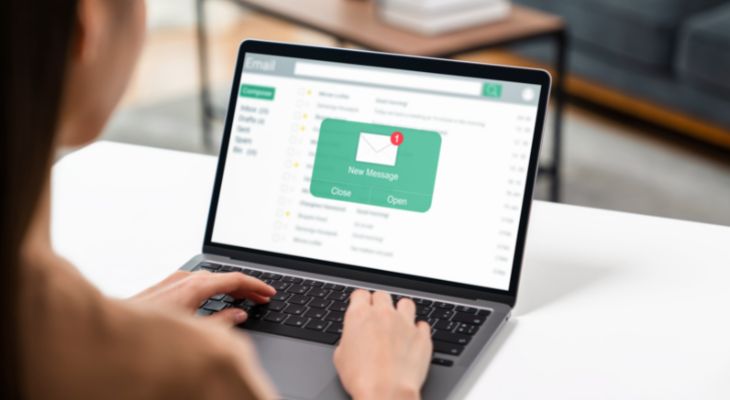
76, 343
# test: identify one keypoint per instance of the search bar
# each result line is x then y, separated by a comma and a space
397, 79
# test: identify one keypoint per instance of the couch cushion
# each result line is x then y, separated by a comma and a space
704, 50
643, 31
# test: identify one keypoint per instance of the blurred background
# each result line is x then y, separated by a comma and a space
646, 127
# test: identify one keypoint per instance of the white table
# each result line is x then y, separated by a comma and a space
611, 305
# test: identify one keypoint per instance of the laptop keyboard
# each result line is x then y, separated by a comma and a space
313, 310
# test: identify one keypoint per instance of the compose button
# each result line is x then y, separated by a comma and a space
257, 92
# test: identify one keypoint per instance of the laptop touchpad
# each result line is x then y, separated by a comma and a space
298, 369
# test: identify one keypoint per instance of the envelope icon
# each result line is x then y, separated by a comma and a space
376, 149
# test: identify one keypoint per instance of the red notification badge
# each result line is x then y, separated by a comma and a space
396, 138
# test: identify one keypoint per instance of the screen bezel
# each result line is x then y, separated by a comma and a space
406, 63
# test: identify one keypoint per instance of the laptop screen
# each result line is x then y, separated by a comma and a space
408, 172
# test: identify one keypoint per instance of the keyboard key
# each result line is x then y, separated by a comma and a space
483, 313
275, 305
333, 286
444, 325
298, 289
312, 283
338, 306
225, 268
208, 266
335, 327
228, 299
275, 317
468, 318
423, 311
252, 272
295, 321
246, 305
318, 292
442, 313
320, 303
466, 329
457, 338
447, 348
335, 316
295, 309
257, 312
446, 306
466, 309
424, 302
316, 325
349, 289
316, 313
203, 312
279, 285
214, 305
292, 279
442, 362
281, 296
270, 275
338, 296
218, 297
298, 299
314, 335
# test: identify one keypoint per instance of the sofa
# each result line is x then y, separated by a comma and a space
672, 53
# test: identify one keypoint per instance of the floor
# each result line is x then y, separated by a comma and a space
607, 164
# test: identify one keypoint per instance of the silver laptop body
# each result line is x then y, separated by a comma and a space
343, 169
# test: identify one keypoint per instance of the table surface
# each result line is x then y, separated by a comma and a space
611, 305
358, 22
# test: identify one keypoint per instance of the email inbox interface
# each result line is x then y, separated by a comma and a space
409, 181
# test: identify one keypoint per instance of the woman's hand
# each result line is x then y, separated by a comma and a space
383, 353
187, 290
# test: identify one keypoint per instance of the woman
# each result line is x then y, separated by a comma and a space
66, 63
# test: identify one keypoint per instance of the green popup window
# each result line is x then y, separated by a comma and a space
380, 165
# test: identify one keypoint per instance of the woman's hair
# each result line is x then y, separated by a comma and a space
36, 39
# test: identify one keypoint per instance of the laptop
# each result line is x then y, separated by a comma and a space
343, 169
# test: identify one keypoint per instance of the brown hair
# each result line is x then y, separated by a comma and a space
35, 41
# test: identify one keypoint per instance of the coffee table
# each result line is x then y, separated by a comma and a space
357, 22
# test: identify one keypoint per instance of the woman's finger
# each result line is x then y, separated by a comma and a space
360, 297
233, 283
229, 316
382, 299
359, 303
407, 308
424, 330
257, 298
